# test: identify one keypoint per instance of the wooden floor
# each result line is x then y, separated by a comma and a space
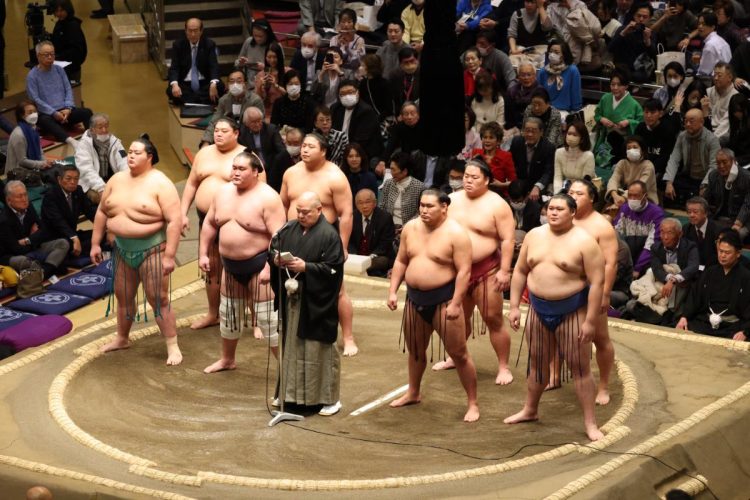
132, 94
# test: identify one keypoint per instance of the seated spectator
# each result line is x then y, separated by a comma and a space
528, 27
406, 135
431, 170
307, 60
624, 11
487, 103
533, 158
574, 161
638, 223
253, 51
739, 128
495, 60
325, 88
295, 108
715, 48
634, 40
63, 204
260, 137
519, 95
541, 108
719, 305
716, 103
693, 157
634, 167
375, 90
557, 15
673, 249
391, 9
658, 135
672, 23
621, 288
99, 156
701, 230
24, 161
400, 198
48, 87
726, 27
357, 170
469, 13
22, 233
472, 139
414, 28
372, 233
605, 12
318, 15
404, 82
498, 20
617, 115
357, 119
472, 68
268, 81
232, 104
388, 52
694, 93
674, 76
455, 179
352, 45
526, 211
68, 38
193, 74
337, 139
561, 78
286, 158
499, 161
728, 193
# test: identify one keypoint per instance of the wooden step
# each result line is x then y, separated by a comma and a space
212, 28
203, 10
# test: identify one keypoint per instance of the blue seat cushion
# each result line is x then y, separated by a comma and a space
51, 302
10, 317
93, 286
103, 269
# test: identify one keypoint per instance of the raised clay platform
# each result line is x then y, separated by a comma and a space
124, 425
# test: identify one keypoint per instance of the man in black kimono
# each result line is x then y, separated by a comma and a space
720, 303
310, 258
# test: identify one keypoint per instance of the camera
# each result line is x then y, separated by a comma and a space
329, 58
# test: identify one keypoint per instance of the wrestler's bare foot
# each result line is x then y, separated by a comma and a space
258, 333
174, 356
522, 416
350, 348
220, 366
405, 400
116, 345
204, 322
448, 364
602, 397
593, 432
472, 414
504, 377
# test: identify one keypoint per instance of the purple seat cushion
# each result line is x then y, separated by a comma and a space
89, 285
35, 331
50, 303
9, 317
103, 269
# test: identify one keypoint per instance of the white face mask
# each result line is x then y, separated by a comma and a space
307, 52
102, 137
634, 154
236, 89
673, 82
293, 90
32, 118
573, 140
554, 58
542, 219
456, 184
518, 205
635, 205
483, 51
349, 100
293, 150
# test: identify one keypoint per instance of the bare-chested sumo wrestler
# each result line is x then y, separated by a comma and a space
141, 208
211, 169
245, 214
489, 222
564, 270
584, 192
435, 260
315, 173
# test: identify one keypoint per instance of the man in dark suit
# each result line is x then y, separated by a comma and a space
533, 157
674, 249
701, 230
21, 233
194, 71
357, 119
63, 205
260, 137
308, 60
404, 82
431, 170
372, 233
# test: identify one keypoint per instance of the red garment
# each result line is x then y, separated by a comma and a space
470, 81
501, 165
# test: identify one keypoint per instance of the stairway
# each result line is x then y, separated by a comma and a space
222, 22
